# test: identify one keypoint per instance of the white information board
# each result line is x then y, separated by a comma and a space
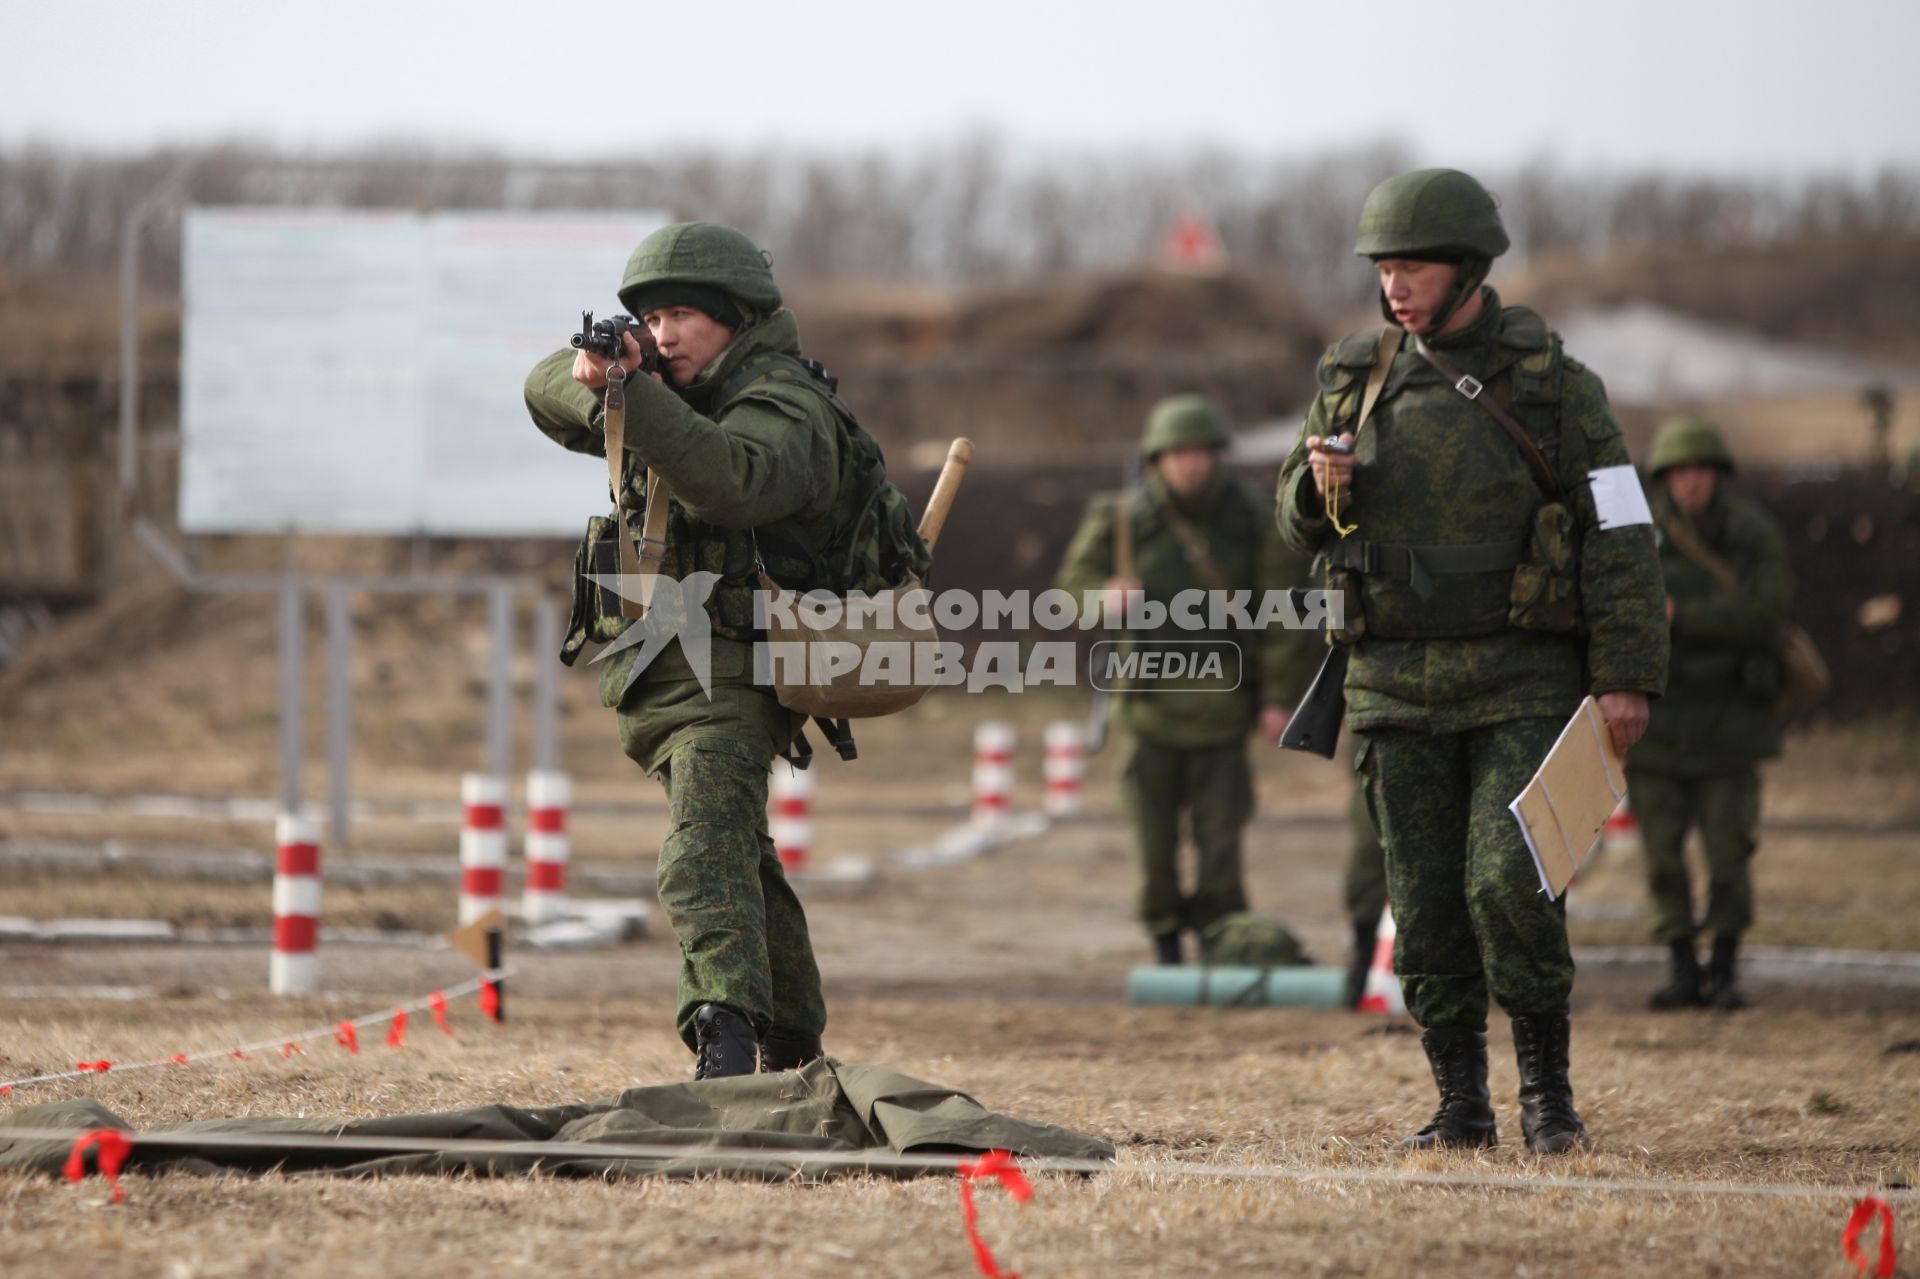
348, 371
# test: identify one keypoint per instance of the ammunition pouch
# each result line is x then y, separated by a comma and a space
596, 608
1546, 584
1422, 592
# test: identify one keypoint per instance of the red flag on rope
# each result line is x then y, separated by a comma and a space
490, 1000
438, 1001
114, 1148
347, 1037
397, 1032
1863, 1212
290, 1049
239, 1054
999, 1165
99, 1067
178, 1059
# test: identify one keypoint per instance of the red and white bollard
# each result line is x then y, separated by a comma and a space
1621, 838
483, 844
992, 771
294, 969
1382, 993
1065, 766
792, 824
548, 796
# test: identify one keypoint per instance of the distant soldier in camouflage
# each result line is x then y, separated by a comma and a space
751, 446
1728, 588
1481, 568
1190, 526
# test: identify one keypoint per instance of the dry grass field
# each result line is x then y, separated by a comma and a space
1001, 976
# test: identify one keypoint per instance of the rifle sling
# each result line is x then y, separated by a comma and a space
1383, 354
1196, 549
652, 553
1474, 389
1687, 541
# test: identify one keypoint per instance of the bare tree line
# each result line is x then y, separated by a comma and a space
971, 209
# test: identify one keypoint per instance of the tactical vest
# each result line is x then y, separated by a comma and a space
1447, 532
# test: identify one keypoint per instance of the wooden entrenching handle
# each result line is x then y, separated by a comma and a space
944, 490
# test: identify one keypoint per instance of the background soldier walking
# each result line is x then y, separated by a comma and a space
1190, 526
750, 444
1728, 591
1480, 550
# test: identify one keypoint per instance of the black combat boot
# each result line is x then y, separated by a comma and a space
1683, 991
724, 1043
1547, 1116
782, 1052
1360, 963
1465, 1116
1166, 947
1722, 971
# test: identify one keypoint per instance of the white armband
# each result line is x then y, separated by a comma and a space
1618, 500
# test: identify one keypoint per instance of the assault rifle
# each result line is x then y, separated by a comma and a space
605, 339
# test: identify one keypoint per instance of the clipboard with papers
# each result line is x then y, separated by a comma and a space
1564, 809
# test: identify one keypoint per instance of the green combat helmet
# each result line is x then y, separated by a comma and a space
1434, 214
676, 263
1689, 441
1431, 211
1182, 421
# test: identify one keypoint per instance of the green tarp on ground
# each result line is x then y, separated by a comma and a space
828, 1106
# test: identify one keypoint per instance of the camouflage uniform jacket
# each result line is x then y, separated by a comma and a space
752, 444
1231, 518
1433, 468
1717, 716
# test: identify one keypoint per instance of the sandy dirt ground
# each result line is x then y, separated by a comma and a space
1003, 976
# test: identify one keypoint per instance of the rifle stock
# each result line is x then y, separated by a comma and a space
1315, 726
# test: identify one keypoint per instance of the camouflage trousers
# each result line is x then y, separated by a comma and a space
1726, 808
1471, 918
743, 936
1365, 885
1213, 787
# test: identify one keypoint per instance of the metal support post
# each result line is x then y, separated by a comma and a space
339, 715
547, 624
500, 698
292, 733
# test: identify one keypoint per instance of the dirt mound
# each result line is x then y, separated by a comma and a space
1860, 292
1136, 310
1065, 368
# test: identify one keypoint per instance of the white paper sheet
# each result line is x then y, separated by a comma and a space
1618, 498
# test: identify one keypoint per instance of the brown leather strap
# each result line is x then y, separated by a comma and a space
1475, 390
1686, 540
1383, 355
653, 537
1196, 548
615, 429
1123, 535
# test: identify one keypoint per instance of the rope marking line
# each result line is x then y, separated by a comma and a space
801, 1160
288, 1045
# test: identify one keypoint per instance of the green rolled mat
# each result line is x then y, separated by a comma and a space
1301, 987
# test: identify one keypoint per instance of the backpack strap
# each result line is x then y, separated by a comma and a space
839, 735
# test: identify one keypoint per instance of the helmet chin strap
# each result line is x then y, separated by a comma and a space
1474, 269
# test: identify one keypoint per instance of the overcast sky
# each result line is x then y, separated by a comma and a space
1748, 86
